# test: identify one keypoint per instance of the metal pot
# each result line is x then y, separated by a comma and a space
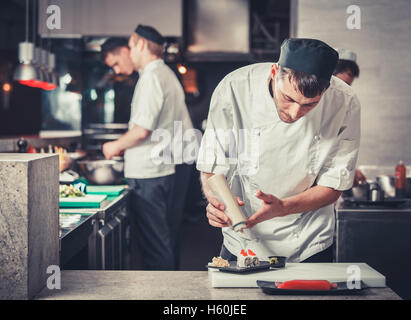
361, 191
102, 171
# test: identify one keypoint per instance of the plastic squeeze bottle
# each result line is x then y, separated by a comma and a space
220, 188
400, 180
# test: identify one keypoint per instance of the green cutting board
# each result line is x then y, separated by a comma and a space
107, 190
88, 201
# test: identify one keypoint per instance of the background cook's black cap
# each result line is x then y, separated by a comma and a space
150, 34
310, 56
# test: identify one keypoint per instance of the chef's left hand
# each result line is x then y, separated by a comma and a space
111, 149
272, 207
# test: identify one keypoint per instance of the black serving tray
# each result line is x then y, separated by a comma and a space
233, 268
269, 287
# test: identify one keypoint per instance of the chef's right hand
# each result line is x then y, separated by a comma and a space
359, 178
215, 212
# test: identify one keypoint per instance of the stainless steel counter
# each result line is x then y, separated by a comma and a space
171, 285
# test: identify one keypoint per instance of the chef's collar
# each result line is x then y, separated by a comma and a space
310, 56
151, 65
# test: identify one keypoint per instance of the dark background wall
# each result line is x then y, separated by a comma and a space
383, 45
27, 110
20, 109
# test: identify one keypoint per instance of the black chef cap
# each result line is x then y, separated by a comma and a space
150, 34
310, 56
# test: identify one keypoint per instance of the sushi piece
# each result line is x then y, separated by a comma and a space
244, 260
254, 259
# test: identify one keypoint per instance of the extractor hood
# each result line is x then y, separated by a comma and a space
79, 18
217, 30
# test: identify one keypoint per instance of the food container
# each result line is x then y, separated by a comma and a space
376, 193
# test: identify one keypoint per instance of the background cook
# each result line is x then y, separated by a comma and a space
158, 103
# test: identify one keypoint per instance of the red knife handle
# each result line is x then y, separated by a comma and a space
307, 285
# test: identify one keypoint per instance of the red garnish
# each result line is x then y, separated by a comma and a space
243, 253
251, 253
274, 69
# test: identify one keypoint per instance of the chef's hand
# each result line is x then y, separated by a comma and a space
111, 149
359, 178
215, 212
272, 207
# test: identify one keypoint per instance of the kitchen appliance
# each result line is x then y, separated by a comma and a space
103, 172
211, 36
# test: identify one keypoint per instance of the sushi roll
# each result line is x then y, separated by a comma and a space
254, 259
244, 260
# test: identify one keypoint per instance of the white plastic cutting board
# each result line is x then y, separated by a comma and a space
333, 272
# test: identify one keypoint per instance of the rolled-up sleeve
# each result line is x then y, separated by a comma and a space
213, 156
147, 103
339, 168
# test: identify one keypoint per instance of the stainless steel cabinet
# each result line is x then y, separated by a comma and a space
382, 239
105, 248
102, 240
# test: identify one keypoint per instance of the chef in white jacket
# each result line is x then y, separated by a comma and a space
153, 150
286, 136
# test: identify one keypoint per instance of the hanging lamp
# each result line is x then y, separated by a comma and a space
25, 72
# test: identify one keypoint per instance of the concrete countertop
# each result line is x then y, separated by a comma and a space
170, 285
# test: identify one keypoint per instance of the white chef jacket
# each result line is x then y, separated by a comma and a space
158, 104
319, 148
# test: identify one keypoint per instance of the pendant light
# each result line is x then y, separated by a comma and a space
40, 80
53, 78
25, 72
39, 57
